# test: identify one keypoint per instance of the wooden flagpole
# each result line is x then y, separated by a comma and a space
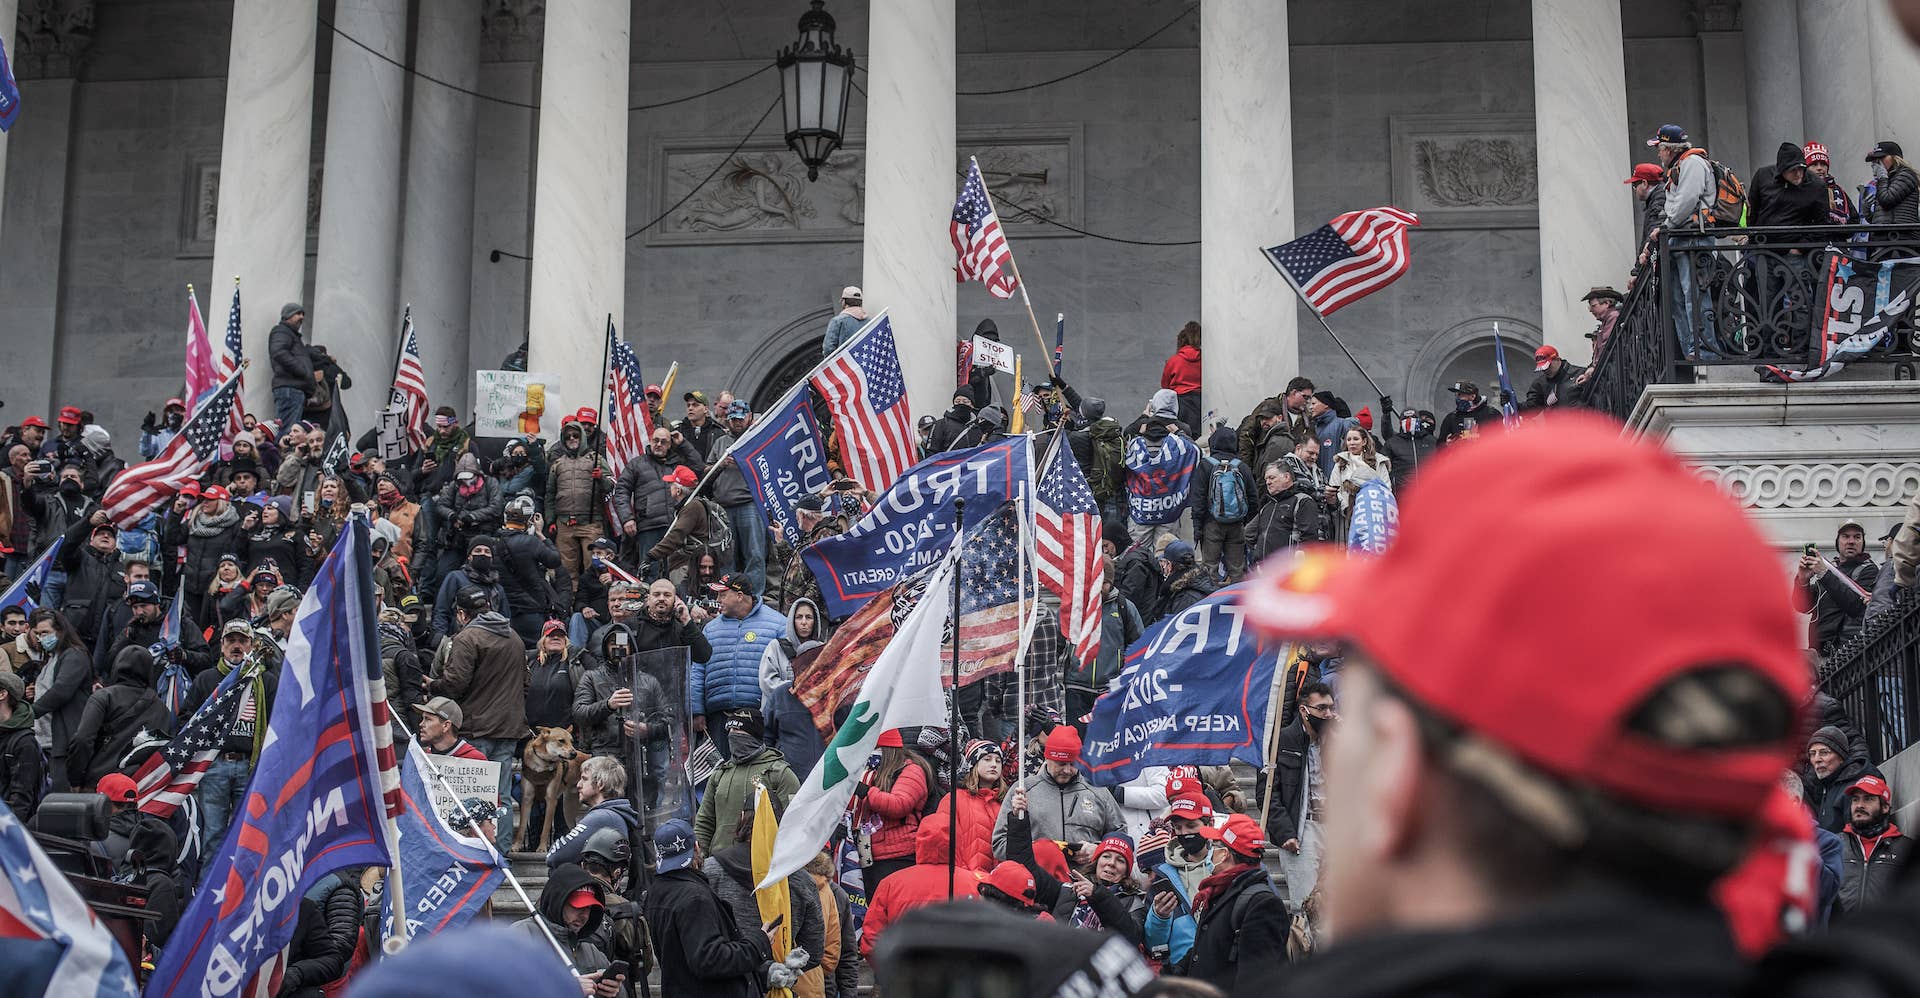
1015, 261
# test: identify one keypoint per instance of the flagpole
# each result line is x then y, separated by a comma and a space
1059, 344
1015, 261
505, 866
1272, 740
1020, 659
606, 390
1377, 390
953, 704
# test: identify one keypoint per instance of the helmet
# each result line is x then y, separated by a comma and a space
520, 509
608, 846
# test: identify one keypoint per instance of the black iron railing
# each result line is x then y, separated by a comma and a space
1754, 296
1875, 673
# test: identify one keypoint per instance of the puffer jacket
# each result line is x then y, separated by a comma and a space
328, 931
462, 518
919, 885
979, 809
897, 808
525, 558
730, 791
486, 674
115, 714
577, 485
641, 496
730, 678
1077, 812
1898, 198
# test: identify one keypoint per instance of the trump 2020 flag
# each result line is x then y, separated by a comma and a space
1193, 693
783, 460
25, 591
50, 941
1376, 518
447, 876
323, 794
901, 691
9, 90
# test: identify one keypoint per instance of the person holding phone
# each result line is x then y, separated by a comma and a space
572, 905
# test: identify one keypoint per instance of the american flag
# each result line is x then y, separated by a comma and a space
990, 589
202, 376
1348, 258
867, 395
409, 397
169, 776
629, 421
232, 350
142, 487
981, 248
1067, 542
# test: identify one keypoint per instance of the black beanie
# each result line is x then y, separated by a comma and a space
1832, 738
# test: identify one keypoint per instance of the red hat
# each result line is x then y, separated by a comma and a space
585, 414
33, 421
1115, 843
191, 490
1697, 583
585, 898
1544, 356
891, 739
653, 390
174, 404
1365, 418
1874, 786
118, 787
70, 414
682, 476
552, 627
1815, 152
215, 492
1649, 172
1014, 881
1063, 744
1241, 834
1048, 856
1190, 805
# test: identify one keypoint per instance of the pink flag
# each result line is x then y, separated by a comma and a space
202, 375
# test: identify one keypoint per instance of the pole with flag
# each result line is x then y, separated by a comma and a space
232, 353
982, 245
1017, 422
1509, 407
25, 591
1343, 261
953, 706
202, 375
1060, 345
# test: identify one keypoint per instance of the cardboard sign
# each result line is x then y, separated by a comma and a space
992, 353
517, 403
467, 777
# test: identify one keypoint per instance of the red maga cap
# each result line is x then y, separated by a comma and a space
1873, 785
1239, 833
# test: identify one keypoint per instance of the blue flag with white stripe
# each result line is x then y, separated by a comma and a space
25, 591
448, 876
50, 941
1509, 403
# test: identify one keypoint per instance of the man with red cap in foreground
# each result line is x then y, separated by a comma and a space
1511, 822
1876, 850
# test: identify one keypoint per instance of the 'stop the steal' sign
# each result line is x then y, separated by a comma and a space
911, 525
1194, 692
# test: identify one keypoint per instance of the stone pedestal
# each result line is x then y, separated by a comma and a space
1249, 316
1580, 112
1770, 30
580, 196
266, 148
907, 255
436, 241
354, 313
1836, 82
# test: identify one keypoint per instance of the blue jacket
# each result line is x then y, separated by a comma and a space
730, 678
616, 814
1176, 933
840, 329
1331, 431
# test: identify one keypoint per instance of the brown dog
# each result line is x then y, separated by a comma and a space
549, 768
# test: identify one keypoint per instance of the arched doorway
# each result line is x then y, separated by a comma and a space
1465, 352
785, 374
777, 362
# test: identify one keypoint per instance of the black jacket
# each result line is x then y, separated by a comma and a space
550, 684
94, 582
1828, 797
1289, 776
292, 365
1839, 609
462, 518
1187, 588
700, 949
1898, 199
1240, 934
1548, 390
114, 714
641, 496
62, 700
1292, 517
1773, 201
23, 767
524, 560
1485, 417
1137, 574
193, 651
240, 736
325, 936
597, 723
1864, 881
948, 428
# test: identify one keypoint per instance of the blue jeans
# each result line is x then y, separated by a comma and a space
288, 404
222, 789
578, 630
749, 543
502, 751
1692, 308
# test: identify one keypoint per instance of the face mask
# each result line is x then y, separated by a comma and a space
742, 746
1410, 426
174, 420
1463, 405
70, 488
482, 563
1194, 844
49, 642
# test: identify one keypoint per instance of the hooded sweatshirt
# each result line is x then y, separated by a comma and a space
23, 767
562, 881
1077, 812
616, 814
486, 674
923, 883
1181, 373
115, 714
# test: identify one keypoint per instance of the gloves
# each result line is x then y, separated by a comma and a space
148, 423
860, 789
779, 975
797, 959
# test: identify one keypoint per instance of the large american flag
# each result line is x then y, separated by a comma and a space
1067, 546
409, 397
202, 375
980, 245
140, 488
1348, 258
867, 395
169, 776
232, 350
990, 584
629, 420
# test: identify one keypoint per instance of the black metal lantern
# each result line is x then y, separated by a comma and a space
816, 78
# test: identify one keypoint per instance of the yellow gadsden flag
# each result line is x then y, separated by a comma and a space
773, 899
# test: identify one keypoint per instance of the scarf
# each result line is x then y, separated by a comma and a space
1216, 885
203, 525
469, 489
255, 677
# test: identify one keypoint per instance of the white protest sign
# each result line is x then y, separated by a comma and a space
516, 403
467, 778
992, 353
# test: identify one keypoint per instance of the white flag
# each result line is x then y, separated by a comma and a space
901, 690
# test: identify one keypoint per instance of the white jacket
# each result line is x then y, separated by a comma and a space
1690, 188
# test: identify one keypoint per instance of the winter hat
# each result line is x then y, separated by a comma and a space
977, 750
285, 505
1165, 405
1092, 409
1832, 738
1365, 418
890, 738
1325, 397
1116, 842
1224, 440
1817, 153
746, 722
1063, 744
291, 309
1117, 534
1048, 856
993, 415
1153, 845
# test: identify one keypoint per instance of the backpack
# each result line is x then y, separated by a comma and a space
1109, 472
1227, 496
1726, 206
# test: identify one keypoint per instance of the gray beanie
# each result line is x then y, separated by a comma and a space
290, 309
1092, 409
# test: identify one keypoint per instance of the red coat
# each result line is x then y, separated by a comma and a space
899, 811
923, 883
979, 809
1182, 371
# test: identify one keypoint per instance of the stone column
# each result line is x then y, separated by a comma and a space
1580, 114
906, 254
580, 196
1723, 71
1896, 85
1248, 313
266, 152
436, 241
30, 264
354, 312
1836, 83
1771, 32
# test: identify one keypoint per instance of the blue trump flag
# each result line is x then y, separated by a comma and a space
782, 458
448, 877
911, 525
1194, 692
322, 797
9, 90
1509, 405
1376, 517
25, 591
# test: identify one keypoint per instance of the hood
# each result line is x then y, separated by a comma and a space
1092, 409
1165, 405
1789, 155
132, 667
987, 329
624, 810
156, 844
820, 628
931, 845
493, 623
1189, 352
563, 880
22, 718
1225, 442
736, 862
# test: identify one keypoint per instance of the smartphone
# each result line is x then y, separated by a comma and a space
617, 968
1811, 550
778, 920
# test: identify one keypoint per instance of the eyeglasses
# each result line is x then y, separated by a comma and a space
1323, 710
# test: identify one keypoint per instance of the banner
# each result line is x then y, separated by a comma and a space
910, 526
992, 353
1867, 305
1159, 478
448, 876
1194, 692
516, 403
783, 459
9, 90
1376, 517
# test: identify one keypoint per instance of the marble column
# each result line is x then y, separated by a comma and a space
1896, 83
1580, 117
580, 197
1770, 30
1836, 84
906, 253
266, 149
30, 252
1248, 313
436, 241
9, 22
1723, 70
354, 310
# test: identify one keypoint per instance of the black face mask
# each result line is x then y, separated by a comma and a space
1194, 844
174, 420
482, 563
70, 488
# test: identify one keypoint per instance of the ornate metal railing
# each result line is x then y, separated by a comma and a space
1874, 675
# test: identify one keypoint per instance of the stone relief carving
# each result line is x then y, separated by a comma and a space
765, 190
203, 207
1851, 485
1466, 170
53, 38
511, 30
1715, 15
1473, 172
